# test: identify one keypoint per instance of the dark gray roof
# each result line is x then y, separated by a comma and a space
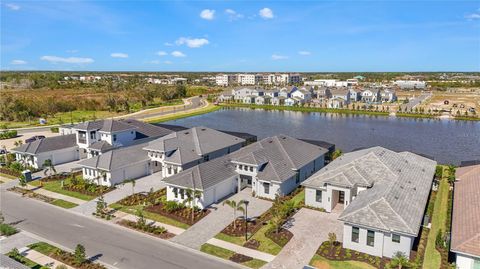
48, 144
144, 129
9, 263
118, 158
279, 155
190, 145
283, 155
101, 146
107, 125
398, 187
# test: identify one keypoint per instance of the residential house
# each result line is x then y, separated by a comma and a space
465, 238
273, 166
225, 97
184, 149
117, 165
388, 95
322, 93
381, 194
241, 93
271, 93
58, 149
290, 101
303, 96
355, 94
371, 96
263, 100
278, 101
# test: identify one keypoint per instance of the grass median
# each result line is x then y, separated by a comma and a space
227, 254
321, 262
56, 186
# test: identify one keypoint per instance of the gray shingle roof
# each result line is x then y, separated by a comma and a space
190, 145
399, 185
9, 263
279, 154
48, 144
117, 158
101, 145
107, 125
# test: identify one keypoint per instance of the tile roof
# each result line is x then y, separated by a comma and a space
107, 125
398, 187
48, 144
466, 211
280, 155
190, 145
118, 158
101, 145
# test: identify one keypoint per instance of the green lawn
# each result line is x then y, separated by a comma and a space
55, 186
299, 198
323, 263
181, 115
226, 254
149, 215
266, 244
7, 176
432, 259
44, 248
64, 204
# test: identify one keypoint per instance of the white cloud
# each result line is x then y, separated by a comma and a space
167, 62
70, 60
168, 44
233, 15
17, 62
161, 53
473, 16
12, 6
119, 55
178, 54
207, 14
266, 13
304, 53
279, 57
192, 42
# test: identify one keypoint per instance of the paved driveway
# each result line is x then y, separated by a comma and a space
218, 219
64, 167
310, 228
143, 184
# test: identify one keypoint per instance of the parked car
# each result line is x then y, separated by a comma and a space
33, 138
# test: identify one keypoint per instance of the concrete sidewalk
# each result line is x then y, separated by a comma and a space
41, 259
171, 229
218, 219
18, 240
242, 250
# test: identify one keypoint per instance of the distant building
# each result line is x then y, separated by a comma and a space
410, 84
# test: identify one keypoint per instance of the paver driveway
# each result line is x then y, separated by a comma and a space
143, 184
218, 219
64, 167
310, 228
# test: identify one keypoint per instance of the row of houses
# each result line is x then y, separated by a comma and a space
334, 97
257, 79
380, 195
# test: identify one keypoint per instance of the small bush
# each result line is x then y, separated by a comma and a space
8, 134
7, 230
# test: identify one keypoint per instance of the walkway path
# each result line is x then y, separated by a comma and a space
218, 219
41, 258
56, 195
18, 240
143, 184
242, 250
307, 237
170, 228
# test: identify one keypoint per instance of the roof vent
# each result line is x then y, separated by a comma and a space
414, 188
186, 133
401, 187
396, 197
203, 129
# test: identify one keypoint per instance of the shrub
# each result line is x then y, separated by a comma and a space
439, 242
171, 206
80, 255
7, 230
54, 129
8, 134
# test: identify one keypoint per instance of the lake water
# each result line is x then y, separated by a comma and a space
448, 141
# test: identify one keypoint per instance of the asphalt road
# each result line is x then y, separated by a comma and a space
115, 245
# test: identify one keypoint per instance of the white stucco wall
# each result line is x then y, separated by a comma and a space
56, 156
464, 261
310, 198
383, 244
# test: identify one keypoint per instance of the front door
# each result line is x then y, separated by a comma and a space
246, 181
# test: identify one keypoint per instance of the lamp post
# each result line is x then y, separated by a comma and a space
246, 216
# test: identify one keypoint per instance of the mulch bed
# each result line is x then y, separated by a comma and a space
253, 225
239, 258
252, 243
96, 190
338, 253
183, 215
69, 259
281, 238
59, 177
131, 225
10, 172
142, 198
31, 194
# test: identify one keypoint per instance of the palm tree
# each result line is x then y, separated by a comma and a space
236, 207
192, 196
399, 261
131, 181
49, 167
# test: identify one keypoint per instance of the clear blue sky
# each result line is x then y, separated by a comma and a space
236, 36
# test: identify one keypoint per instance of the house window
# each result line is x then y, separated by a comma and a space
175, 192
182, 194
297, 178
104, 177
169, 170
266, 188
318, 196
370, 238
395, 238
175, 170
355, 234
114, 137
240, 167
92, 135
245, 168
251, 168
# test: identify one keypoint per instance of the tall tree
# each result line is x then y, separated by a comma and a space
192, 196
49, 167
236, 207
